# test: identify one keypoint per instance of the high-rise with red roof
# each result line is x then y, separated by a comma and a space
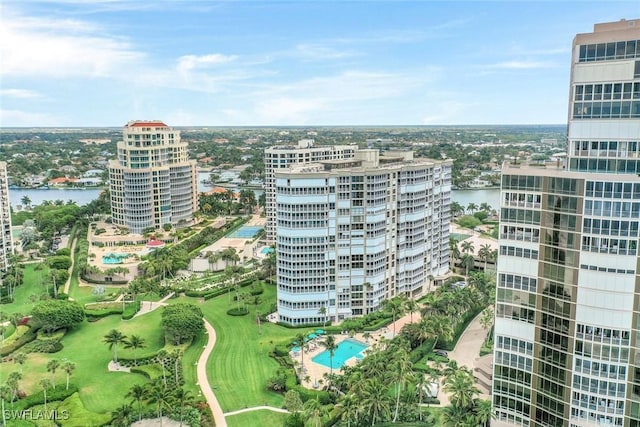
152, 181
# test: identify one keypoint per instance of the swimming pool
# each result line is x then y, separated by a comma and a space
246, 232
114, 258
267, 250
346, 350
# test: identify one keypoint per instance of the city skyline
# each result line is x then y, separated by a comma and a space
102, 63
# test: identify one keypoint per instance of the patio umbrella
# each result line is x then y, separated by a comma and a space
312, 336
319, 331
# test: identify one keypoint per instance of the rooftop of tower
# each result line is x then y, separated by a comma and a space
145, 123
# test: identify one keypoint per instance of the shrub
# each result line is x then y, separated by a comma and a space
53, 395
468, 221
130, 310
238, 311
25, 338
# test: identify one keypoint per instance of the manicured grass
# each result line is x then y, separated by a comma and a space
28, 293
101, 391
189, 367
240, 365
263, 417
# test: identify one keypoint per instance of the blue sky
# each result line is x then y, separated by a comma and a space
240, 63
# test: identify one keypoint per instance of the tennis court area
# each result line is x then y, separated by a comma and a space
246, 232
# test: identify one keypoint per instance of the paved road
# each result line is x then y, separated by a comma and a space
203, 381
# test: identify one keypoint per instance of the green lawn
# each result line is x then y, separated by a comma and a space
28, 293
240, 365
262, 417
100, 391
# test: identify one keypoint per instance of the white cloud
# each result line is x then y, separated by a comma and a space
17, 118
321, 52
20, 93
36, 46
190, 62
522, 65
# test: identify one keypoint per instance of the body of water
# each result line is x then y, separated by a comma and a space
82, 197
485, 195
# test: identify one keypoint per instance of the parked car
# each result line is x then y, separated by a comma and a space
440, 353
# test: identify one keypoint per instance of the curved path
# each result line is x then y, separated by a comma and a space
257, 408
67, 284
201, 372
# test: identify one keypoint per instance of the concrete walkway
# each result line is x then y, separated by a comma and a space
67, 284
203, 381
149, 306
256, 408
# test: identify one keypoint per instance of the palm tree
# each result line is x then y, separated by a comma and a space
114, 338
331, 346
467, 247
394, 306
26, 201
462, 389
183, 397
13, 382
375, 400
20, 358
456, 209
456, 416
161, 396
411, 306
472, 207
487, 318
45, 383
300, 337
437, 327
486, 207
5, 391
52, 366
482, 411
468, 262
485, 254
121, 417
402, 372
138, 393
162, 356
134, 342
453, 247
349, 408
68, 367
313, 411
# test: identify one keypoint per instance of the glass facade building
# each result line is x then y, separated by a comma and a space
152, 181
568, 291
352, 233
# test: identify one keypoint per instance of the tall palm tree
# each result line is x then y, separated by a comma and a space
68, 368
411, 306
468, 262
114, 338
394, 306
472, 207
330, 344
462, 389
402, 372
375, 400
485, 254
182, 397
486, 207
162, 359
13, 382
52, 366
456, 416
313, 412
45, 383
482, 412
138, 393
300, 337
121, 417
134, 342
349, 408
467, 247
437, 327
159, 395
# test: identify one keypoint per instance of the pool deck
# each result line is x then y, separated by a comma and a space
238, 243
316, 371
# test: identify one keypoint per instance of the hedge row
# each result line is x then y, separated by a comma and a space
130, 310
94, 315
459, 329
27, 337
53, 395
238, 311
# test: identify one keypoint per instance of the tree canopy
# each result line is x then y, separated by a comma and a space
182, 321
57, 314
